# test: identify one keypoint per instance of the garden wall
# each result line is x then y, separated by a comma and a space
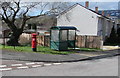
25, 38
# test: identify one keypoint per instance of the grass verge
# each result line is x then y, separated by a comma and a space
45, 50
40, 49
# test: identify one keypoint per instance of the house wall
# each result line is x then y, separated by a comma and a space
85, 20
109, 27
104, 27
100, 29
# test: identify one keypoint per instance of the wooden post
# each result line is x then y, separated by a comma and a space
86, 41
75, 40
3, 39
44, 40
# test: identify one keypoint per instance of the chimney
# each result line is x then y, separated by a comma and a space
96, 9
103, 13
87, 4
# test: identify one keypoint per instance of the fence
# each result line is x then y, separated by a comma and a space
89, 41
43, 40
81, 41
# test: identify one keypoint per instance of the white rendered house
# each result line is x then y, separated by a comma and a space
87, 21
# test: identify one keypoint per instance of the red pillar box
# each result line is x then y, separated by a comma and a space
34, 42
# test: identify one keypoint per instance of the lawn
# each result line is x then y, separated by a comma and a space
44, 50
40, 49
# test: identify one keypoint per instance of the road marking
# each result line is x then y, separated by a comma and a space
16, 64
56, 63
36, 65
3, 65
23, 67
39, 63
29, 63
47, 64
5, 69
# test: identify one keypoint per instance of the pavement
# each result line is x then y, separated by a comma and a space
24, 60
38, 57
110, 47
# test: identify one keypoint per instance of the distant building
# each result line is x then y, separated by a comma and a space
40, 24
113, 15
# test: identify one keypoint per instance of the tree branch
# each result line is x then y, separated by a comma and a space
12, 9
15, 12
24, 14
9, 23
5, 12
23, 23
43, 7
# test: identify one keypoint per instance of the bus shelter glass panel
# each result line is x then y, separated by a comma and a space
71, 38
63, 45
54, 43
63, 35
71, 35
55, 35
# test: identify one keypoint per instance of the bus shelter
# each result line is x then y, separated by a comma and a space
62, 37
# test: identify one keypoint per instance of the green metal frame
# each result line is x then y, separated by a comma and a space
62, 45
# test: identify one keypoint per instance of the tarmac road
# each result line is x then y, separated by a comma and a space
98, 67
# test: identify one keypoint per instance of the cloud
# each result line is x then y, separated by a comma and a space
70, 0
104, 5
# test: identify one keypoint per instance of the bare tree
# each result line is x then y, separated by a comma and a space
12, 11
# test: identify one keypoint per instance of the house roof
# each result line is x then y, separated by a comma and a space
83, 7
64, 28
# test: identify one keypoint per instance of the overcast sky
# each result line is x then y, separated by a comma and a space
100, 5
70, 0
103, 5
